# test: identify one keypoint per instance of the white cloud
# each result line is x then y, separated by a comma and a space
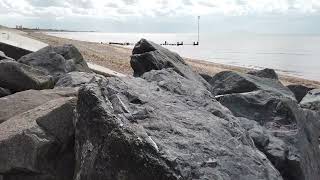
105, 8
120, 15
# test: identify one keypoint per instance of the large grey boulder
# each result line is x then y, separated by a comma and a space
265, 73
76, 79
299, 91
228, 82
149, 56
205, 76
161, 126
4, 92
47, 60
38, 144
23, 101
311, 100
74, 59
56, 61
283, 131
19, 77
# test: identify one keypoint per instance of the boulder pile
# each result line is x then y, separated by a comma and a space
60, 121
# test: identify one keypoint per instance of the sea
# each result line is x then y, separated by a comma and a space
291, 54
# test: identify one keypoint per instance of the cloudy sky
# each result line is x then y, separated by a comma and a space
260, 16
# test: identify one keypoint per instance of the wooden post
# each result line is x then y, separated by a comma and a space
198, 29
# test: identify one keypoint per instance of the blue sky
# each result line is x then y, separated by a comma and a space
259, 16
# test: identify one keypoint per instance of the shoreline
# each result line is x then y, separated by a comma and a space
118, 58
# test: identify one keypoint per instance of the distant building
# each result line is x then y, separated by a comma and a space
19, 27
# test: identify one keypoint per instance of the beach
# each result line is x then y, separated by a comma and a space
118, 58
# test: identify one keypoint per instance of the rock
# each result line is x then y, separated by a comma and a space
205, 77
76, 79
52, 60
267, 108
311, 100
149, 56
299, 91
161, 126
258, 133
47, 60
38, 144
19, 77
283, 134
12, 51
308, 143
23, 101
265, 73
228, 82
73, 57
3, 56
4, 92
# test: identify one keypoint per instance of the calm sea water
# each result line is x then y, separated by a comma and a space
296, 55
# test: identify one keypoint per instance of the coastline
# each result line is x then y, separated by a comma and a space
118, 58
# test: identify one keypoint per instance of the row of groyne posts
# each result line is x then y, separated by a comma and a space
166, 43
163, 44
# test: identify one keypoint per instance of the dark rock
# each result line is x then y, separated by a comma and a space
311, 100
267, 108
4, 92
12, 51
71, 54
308, 143
47, 60
149, 56
3, 56
38, 144
206, 77
19, 77
228, 82
161, 126
23, 101
257, 132
56, 60
299, 91
76, 79
265, 73
284, 134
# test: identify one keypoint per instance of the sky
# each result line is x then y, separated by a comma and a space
179, 16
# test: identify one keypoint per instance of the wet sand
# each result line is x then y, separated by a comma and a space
118, 58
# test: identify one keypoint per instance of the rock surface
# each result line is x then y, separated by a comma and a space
205, 77
161, 126
36, 144
47, 60
52, 60
165, 123
12, 51
4, 92
23, 101
147, 56
73, 57
299, 91
19, 77
76, 79
3, 56
265, 73
281, 131
311, 100
228, 82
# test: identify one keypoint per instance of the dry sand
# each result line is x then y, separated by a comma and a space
118, 58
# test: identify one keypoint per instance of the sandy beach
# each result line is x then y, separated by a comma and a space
118, 58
